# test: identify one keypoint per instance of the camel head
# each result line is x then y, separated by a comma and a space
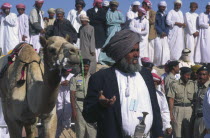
60, 54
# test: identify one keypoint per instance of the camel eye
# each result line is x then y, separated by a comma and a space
52, 51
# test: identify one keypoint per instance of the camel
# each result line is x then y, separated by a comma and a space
29, 88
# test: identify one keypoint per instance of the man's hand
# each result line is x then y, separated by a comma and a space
93, 53
196, 34
172, 118
183, 25
179, 24
163, 35
24, 38
106, 102
65, 83
168, 131
42, 31
74, 114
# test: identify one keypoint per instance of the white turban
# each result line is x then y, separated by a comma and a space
177, 1
208, 3
105, 3
136, 3
162, 3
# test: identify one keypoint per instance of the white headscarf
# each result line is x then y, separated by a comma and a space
208, 3
133, 4
136, 3
177, 1
105, 3
162, 3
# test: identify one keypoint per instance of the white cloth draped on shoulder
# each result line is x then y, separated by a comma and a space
176, 34
132, 87
202, 54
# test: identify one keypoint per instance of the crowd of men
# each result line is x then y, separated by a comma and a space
108, 103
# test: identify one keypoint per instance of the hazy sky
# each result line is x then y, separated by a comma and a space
124, 4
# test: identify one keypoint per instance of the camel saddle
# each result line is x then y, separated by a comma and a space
24, 53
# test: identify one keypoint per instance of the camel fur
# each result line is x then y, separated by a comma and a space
29, 88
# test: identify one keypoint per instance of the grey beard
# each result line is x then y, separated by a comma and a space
125, 67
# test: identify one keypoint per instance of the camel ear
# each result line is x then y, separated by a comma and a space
67, 38
43, 41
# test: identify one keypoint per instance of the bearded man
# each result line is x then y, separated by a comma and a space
117, 96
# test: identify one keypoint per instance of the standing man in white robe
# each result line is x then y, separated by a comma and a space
36, 25
163, 104
202, 54
140, 25
23, 24
151, 15
63, 104
162, 52
8, 29
133, 11
175, 20
192, 33
74, 16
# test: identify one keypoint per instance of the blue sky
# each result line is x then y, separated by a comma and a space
124, 4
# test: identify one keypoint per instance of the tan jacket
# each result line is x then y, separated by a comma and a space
152, 30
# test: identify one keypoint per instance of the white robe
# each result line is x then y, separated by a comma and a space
63, 105
131, 15
8, 32
4, 133
141, 26
74, 18
191, 20
164, 110
202, 52
176, 34
23, 21
134, 86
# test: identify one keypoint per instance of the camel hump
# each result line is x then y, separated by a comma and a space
27, 54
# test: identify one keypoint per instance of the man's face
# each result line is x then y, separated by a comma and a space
208, 9
79, 7
135, 8
86, 68
162, 8
20, 11
177, 6
59, 16
133, 56
98, 4
39, 5
51, 15
145, 6
140, 14
176, 69
84, 23
193, 8
186, 77
6, 11
203, 77
113, 7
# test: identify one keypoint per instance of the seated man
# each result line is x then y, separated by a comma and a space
117, 96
